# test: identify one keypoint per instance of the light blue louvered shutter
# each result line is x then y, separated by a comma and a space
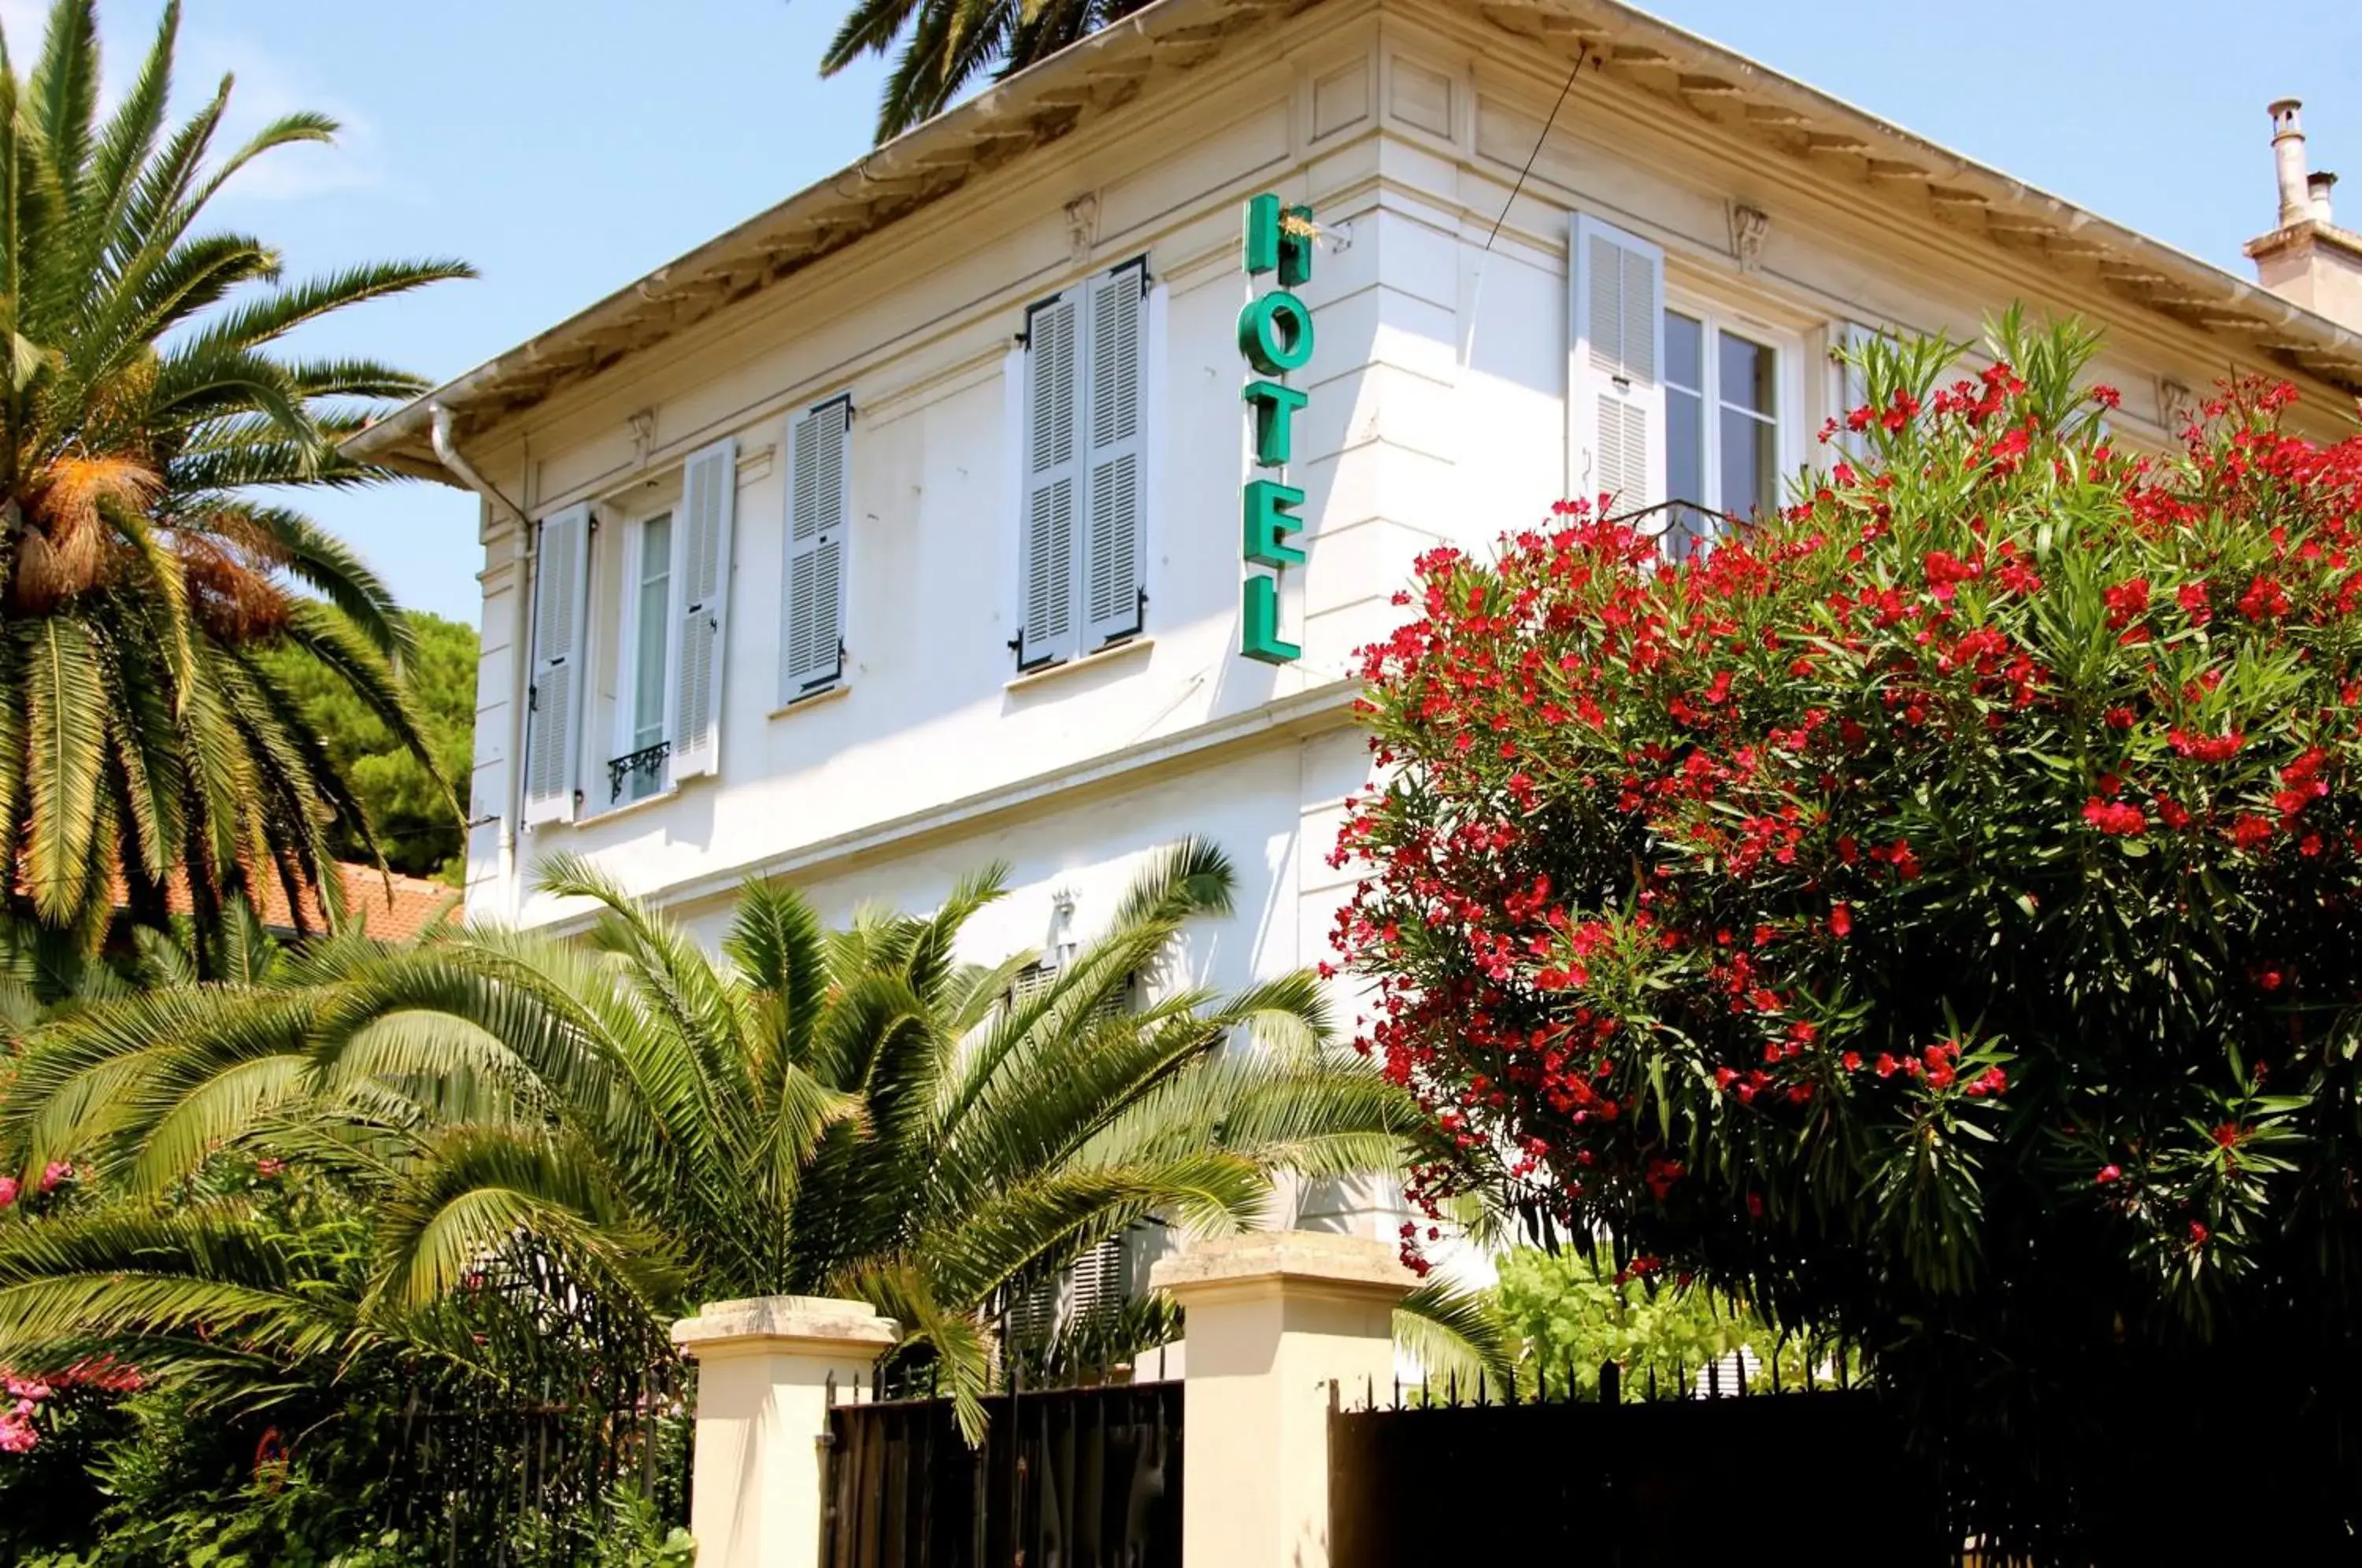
1616, 384
553, 735
709, 494
1053, 478
1113, 481
811, 590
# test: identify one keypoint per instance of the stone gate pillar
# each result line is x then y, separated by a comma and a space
764, 1367
1274, 1318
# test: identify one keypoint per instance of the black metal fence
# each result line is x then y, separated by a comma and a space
532, 1484
1647, 1473
1079, 1477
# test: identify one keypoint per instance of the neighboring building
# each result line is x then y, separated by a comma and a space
899, 529
383, 904
386, 905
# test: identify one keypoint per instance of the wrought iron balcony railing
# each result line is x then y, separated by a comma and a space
1686, 525
645, 763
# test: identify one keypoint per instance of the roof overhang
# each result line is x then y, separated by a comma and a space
1113, 67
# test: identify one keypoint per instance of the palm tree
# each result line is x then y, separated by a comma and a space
637, 1122
141, 735
947, 44
202, 1275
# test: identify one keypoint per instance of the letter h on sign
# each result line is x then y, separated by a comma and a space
1276, 337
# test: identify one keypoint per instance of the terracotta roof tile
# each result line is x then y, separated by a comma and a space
389, 905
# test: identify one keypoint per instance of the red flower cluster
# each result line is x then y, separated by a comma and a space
2115, 816
2206, 749
1636, 816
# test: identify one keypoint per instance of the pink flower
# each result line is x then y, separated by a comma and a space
7, 1190
2109, 1174
57, 1170
16, 1435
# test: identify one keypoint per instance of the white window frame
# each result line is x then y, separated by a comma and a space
624, 734
1715, 316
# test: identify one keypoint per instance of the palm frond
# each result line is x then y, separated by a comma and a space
1449, 1330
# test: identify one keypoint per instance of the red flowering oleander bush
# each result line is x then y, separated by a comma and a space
1935, 913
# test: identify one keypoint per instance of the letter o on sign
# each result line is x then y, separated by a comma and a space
1275, 333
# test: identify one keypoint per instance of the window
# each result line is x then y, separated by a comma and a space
1035, 980
638, 770
1080, 530
1074, 1305
812, 587
663, 617
1722, 426
675, 581
1677, 418
1109, 1276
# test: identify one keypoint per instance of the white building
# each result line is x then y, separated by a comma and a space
899, 529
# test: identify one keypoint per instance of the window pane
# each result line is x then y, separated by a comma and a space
1745, 373
1684, 352
1685, 446
1748, 483
650, 629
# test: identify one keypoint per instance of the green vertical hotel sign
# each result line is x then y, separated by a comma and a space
1276, 337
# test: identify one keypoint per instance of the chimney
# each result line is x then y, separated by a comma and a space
2308, 260
2287, 159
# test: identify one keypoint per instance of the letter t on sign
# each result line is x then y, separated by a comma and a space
1275, 421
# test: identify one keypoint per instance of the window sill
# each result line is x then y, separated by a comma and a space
625, 807
819, 698
1096, 659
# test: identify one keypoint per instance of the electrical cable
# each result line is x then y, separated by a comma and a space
1476, 285
1582, 58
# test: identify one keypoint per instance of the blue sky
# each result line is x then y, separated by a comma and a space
565, 147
